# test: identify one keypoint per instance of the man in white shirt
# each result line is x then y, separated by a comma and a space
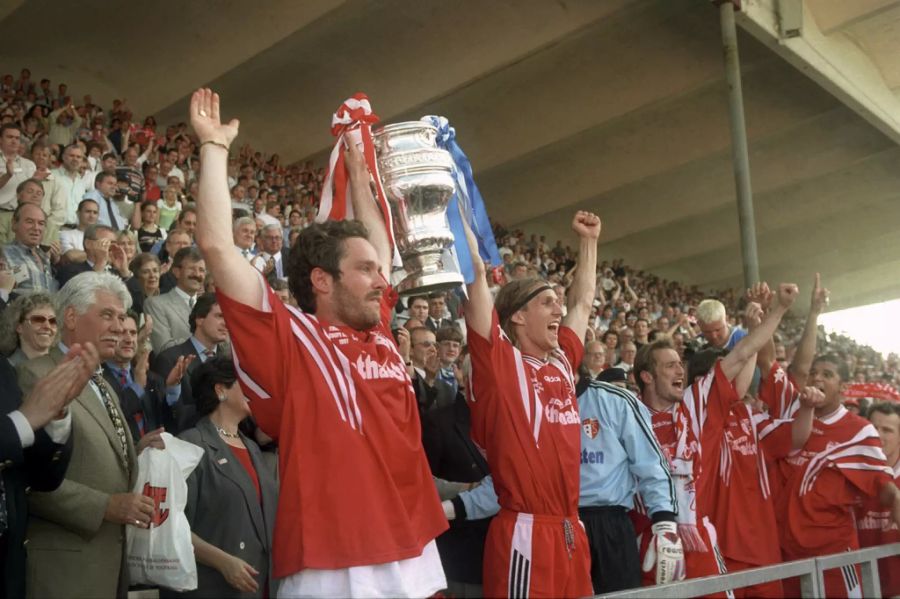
14, 169
69, 182
105, 186
269, 260
244, 232
72, 240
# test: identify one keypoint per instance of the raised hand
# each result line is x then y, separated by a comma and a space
178, 370
761, 294
143, 337
753, 315
819, 299
787, 293
206, 120
586, 225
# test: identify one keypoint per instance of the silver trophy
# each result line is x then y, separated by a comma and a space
418, 181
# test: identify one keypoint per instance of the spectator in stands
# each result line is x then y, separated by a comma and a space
269, 260
166, 251
149, 233
592, 365
449, 345
69, 183
431, 391
127, 240
231, 484
14, 169
147, 399
32, 267
64, 123
208, 332
418, 311
72, 239
54, 204
28, 328
35, 449
145, 282
102, 254
105, 185
79, 527
873, 520
438, 317
130, 174
626, 356
713, 323
244, 232
171, 310
30, 191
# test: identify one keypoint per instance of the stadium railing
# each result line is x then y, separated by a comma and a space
810, 572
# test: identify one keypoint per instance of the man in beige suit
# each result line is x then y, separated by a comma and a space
77, 532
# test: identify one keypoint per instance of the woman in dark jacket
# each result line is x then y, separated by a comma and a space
232, 494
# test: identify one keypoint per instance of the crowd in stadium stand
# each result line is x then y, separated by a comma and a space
114, 328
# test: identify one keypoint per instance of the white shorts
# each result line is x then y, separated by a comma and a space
421, 576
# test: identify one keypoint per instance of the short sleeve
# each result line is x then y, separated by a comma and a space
775, 435
261, 342
778, 392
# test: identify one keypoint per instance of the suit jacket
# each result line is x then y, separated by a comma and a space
431, 397
453, 456
73, 269
73, 551
40, 467
220, 491
434, 326
185, 411
170, 314
151, 406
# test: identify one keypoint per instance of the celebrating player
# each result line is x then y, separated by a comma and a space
524, 414
358, 512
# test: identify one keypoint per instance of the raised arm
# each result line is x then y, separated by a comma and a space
479, 307
234, 276
365, 209
747, 347
581, 294
806, 350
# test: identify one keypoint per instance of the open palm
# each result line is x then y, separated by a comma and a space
206, 121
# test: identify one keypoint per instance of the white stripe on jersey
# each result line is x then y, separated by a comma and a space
847, 449
342, 376
245, 378
326, 374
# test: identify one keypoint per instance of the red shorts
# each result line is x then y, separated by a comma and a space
526, 555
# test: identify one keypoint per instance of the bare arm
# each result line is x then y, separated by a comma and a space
744, 378
806, 350
629, 290
365, 208
480, 305
581, 294
747, 347
233, 275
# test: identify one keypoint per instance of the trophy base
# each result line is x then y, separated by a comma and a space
423, 284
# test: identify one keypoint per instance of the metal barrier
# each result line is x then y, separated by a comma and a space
810, 572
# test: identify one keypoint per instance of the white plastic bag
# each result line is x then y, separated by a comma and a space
163, 554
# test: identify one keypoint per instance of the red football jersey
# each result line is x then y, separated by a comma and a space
876, 527
355, 485
743, 487
525, 417
841, 463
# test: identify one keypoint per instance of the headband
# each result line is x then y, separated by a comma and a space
530, 297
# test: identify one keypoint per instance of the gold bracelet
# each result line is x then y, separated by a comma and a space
215, 143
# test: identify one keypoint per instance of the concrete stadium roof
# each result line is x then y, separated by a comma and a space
617, 107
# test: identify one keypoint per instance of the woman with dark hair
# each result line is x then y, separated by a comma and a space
232, 494
27, 328
145, 282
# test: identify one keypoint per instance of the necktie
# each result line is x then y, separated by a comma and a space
123, 378
112, 217
191, 301
245, 252
110, 404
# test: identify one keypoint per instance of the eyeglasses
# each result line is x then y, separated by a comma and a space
39, 319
